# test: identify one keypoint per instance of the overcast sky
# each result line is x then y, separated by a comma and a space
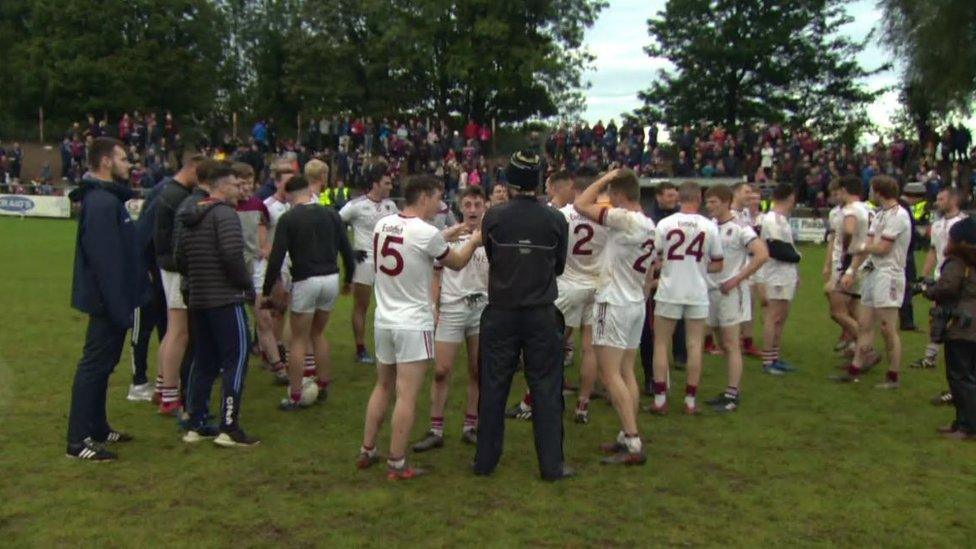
622, 68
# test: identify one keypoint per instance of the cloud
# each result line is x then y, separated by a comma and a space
621, 67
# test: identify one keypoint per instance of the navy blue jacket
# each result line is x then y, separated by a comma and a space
108, 275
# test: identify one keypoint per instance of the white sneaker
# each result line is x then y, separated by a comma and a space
140, 393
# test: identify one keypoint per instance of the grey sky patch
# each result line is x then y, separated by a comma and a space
621, 68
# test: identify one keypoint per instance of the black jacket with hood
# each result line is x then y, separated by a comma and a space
209, 253
108, 273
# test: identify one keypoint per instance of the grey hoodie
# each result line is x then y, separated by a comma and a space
209, 254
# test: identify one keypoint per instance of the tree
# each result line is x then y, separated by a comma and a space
118, 55
738, 62
935, 41
506, 59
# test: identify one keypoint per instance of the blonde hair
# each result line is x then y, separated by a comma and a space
317, 170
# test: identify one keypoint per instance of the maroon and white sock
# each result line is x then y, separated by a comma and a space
892, 376
690, 392
169, 395
159, 383
768, 357
527, 400
582, 404
295, 396
660, 393
437, 425
323, 385
309, 365
470, 422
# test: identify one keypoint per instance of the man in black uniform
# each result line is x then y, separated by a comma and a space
526, 247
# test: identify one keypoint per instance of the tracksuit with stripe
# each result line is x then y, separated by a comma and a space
210, 256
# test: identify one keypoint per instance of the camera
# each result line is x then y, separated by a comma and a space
920, 285
942, 317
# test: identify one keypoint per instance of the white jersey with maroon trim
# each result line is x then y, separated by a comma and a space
444, 217
735, 248
776, 226
472, 280
894, 225
835, 227
939, 234
276, 209
862, 222
686, 243
362, 213
584, 252
628, 254
405, 249
743, 216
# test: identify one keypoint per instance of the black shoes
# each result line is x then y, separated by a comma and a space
89, 450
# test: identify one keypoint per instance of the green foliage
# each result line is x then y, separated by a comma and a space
741, 61
507, 59
935, 40
72, 56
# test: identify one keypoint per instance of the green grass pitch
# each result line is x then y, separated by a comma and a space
804, 461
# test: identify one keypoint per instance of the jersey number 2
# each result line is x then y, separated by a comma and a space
642, 259
695, 247
587, 231
389, 249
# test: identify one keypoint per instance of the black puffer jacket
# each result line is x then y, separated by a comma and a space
210, 255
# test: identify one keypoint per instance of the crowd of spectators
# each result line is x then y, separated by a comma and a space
766, 154
461, 153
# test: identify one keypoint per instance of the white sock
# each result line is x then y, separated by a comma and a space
932, 351
633, 444
369, 452
689, 401
621, 437
660, 399
397, 463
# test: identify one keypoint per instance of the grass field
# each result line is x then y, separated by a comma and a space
804, 462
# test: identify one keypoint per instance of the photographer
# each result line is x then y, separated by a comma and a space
955, 297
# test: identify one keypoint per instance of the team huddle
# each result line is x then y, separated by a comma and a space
216, 247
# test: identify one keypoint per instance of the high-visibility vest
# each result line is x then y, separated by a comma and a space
334, 195
764, 205
919, 211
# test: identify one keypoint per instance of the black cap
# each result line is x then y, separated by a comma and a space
964, 231
524, 170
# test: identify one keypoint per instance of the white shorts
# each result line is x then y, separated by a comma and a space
257, 277
675, 311
364, 273
729, 309
782, 292
619, 326
834, 283
317, 293
459, 321
396, 346
576, 304
171, 287
881, 290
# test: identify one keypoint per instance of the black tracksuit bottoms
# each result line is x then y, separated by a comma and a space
537, 333
960, 357
150, 316
103, 347
221, 343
